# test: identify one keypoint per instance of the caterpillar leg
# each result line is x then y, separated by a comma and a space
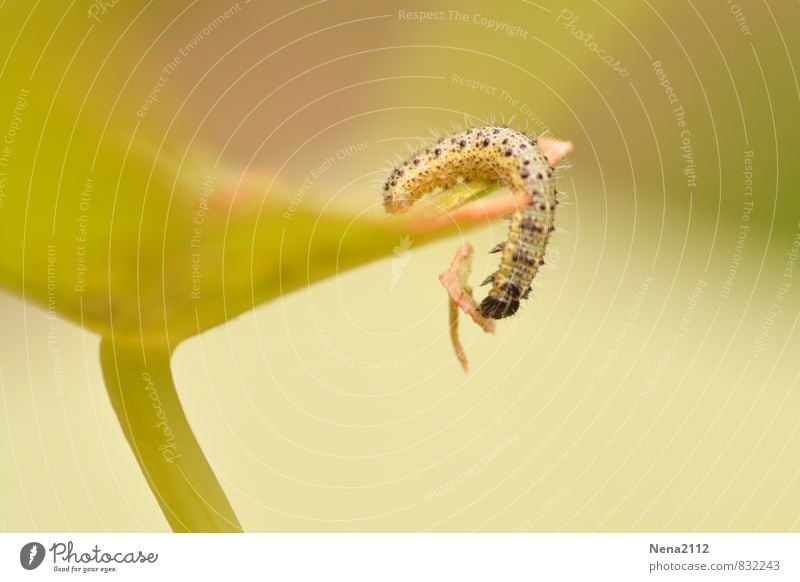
454, 279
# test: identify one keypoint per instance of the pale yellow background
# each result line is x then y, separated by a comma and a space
341, 407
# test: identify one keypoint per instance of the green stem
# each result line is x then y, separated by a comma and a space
142, 392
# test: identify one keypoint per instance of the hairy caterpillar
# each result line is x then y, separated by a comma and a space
511, 159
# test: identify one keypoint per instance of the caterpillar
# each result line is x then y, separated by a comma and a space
511, 159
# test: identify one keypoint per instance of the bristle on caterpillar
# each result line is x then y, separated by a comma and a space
511, 159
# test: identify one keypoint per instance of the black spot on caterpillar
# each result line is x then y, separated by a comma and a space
511, 159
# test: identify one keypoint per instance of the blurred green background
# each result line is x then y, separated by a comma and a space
650, 383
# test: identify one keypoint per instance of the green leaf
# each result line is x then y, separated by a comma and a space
145, 239
148, 252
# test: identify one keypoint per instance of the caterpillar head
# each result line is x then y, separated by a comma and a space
498, 307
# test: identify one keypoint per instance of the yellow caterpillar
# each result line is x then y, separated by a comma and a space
509, 158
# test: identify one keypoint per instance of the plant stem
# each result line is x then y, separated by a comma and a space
139, 382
